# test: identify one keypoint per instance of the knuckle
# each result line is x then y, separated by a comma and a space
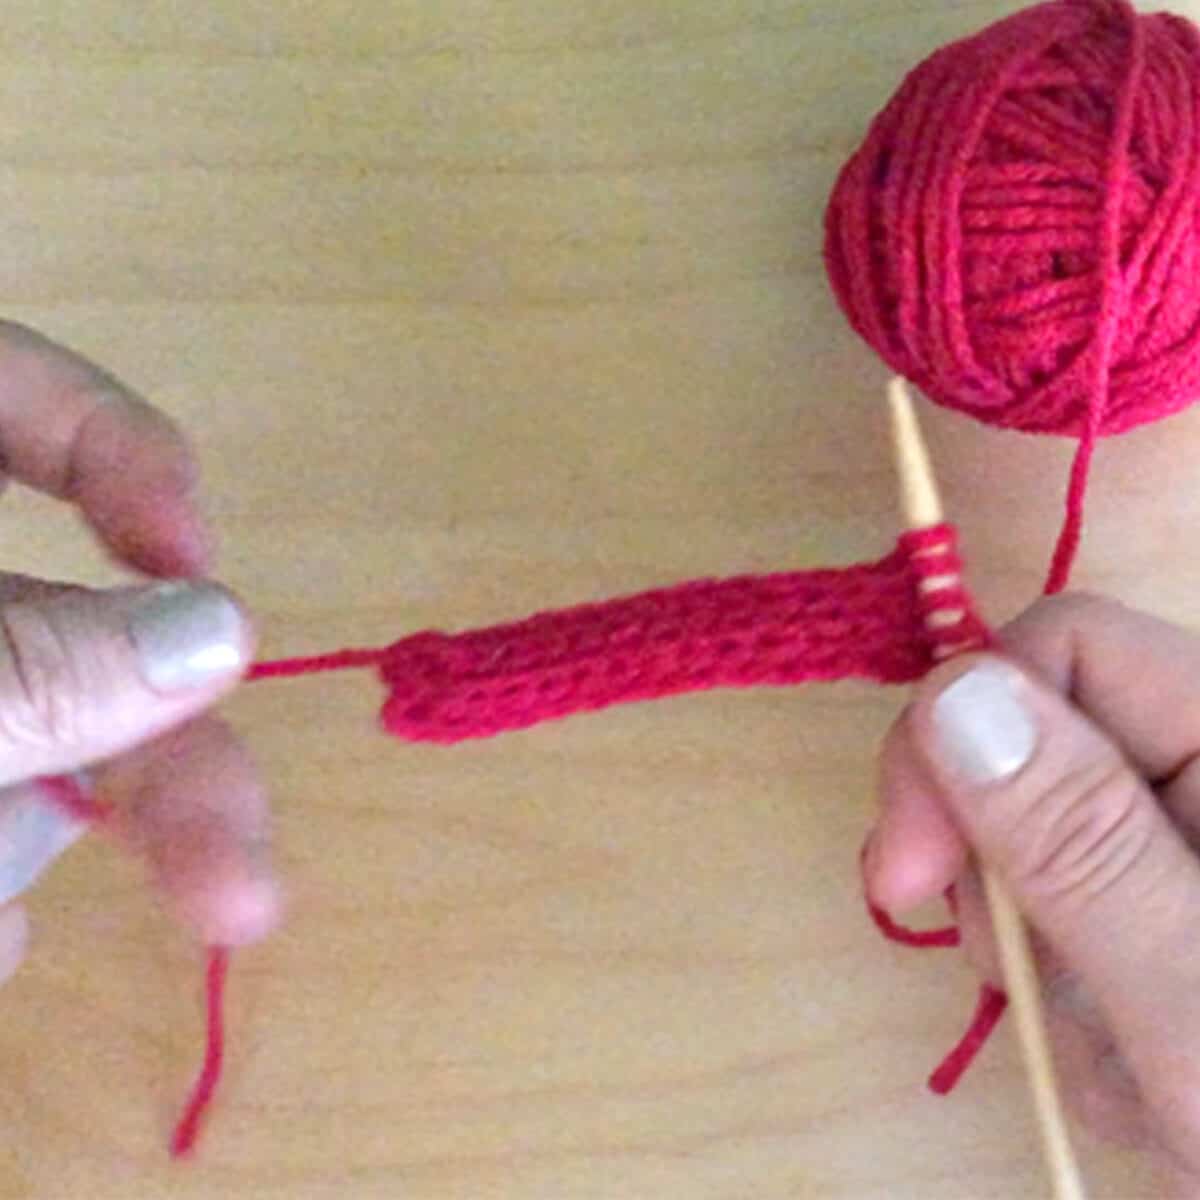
1085, 836
39, 681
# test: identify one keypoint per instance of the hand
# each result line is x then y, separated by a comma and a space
1071, 763
116, 681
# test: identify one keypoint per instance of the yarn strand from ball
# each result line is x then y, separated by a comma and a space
1112, 303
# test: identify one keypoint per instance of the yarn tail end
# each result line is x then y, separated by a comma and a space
187, 1131
988, 1011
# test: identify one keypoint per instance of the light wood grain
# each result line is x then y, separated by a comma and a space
473, 308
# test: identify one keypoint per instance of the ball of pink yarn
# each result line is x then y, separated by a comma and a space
1019, 234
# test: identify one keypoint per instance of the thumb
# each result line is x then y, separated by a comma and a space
86, 674
1051, 804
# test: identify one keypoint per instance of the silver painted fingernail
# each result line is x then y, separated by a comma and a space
186, 635
984, 730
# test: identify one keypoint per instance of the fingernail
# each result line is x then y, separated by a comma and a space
187, 635
983, 728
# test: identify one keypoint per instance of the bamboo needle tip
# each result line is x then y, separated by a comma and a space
918, 491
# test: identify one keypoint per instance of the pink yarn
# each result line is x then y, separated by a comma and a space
1019, 233
187, 1129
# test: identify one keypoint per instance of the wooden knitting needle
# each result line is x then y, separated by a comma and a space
922, 509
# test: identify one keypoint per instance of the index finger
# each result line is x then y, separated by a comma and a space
71, 430
1135, 676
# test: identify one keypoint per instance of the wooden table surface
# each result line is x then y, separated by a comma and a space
474, 308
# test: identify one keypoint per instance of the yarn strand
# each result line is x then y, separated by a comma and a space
944, 937
183, 1142
1112, 305
337, 660
988, 1011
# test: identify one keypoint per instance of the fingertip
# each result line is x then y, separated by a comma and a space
136, 480
903, 869
194, 805
235, 910
249, 911
165, 538
916, 851
167, 545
